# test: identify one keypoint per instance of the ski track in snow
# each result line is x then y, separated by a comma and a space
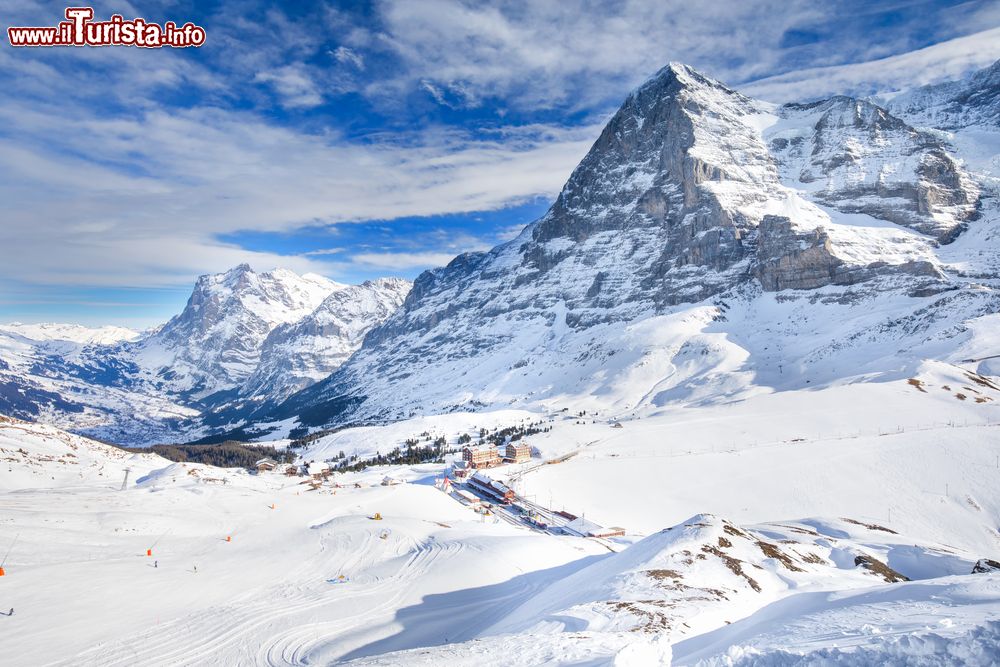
254, 614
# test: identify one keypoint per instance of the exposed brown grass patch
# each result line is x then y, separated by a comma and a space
869, 526
724, 543
914, 382
771, 551
734, 531
734, 564
982, 381
797, 529
649, 612
878, 568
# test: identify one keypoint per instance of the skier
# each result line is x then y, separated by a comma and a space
156, 564
11, 612
196, 569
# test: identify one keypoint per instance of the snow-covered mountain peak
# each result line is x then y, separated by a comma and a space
856, 157
216, 340
298, 354
694, 197
955, 105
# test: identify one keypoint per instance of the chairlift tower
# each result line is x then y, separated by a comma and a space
125, 480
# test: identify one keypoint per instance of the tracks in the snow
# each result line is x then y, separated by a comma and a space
285, 621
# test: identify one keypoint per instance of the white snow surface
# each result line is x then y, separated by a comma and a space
792, 487
73, 333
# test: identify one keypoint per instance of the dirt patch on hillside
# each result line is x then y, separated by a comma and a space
734, 564
869, 526
878, 568
771, 551
982, 381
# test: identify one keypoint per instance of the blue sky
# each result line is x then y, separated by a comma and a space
361, 139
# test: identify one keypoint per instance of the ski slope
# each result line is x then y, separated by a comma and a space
792, 486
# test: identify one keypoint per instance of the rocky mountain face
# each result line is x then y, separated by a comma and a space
242, 336
858, 158
699, 220
954, 105
216, 342
298, 354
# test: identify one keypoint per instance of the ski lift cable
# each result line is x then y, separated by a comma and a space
9, 549
159, 538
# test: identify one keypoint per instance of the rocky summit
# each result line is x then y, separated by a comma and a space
704, 236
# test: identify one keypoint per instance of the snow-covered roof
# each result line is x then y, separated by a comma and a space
266, 461
481, 448
584, 527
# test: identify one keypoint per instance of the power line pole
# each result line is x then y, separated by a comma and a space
125, 481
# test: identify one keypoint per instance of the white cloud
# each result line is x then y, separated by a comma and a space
293, 84
945, 61
548, 54
104, 184
346, 55
401, 261
161, 187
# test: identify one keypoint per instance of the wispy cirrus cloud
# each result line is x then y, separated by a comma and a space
293, 84
128, 167
168, 184
945, 61
401, 261
578, 55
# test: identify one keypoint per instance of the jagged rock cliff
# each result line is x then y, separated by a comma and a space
693, 199
296, 355
216, 341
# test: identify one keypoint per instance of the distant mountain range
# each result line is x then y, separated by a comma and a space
243, 336
709, 247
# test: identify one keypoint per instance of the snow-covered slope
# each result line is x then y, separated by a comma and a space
700, 219
35, 456
830, 497
72, 333
259, 336
738, 592
955, 105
